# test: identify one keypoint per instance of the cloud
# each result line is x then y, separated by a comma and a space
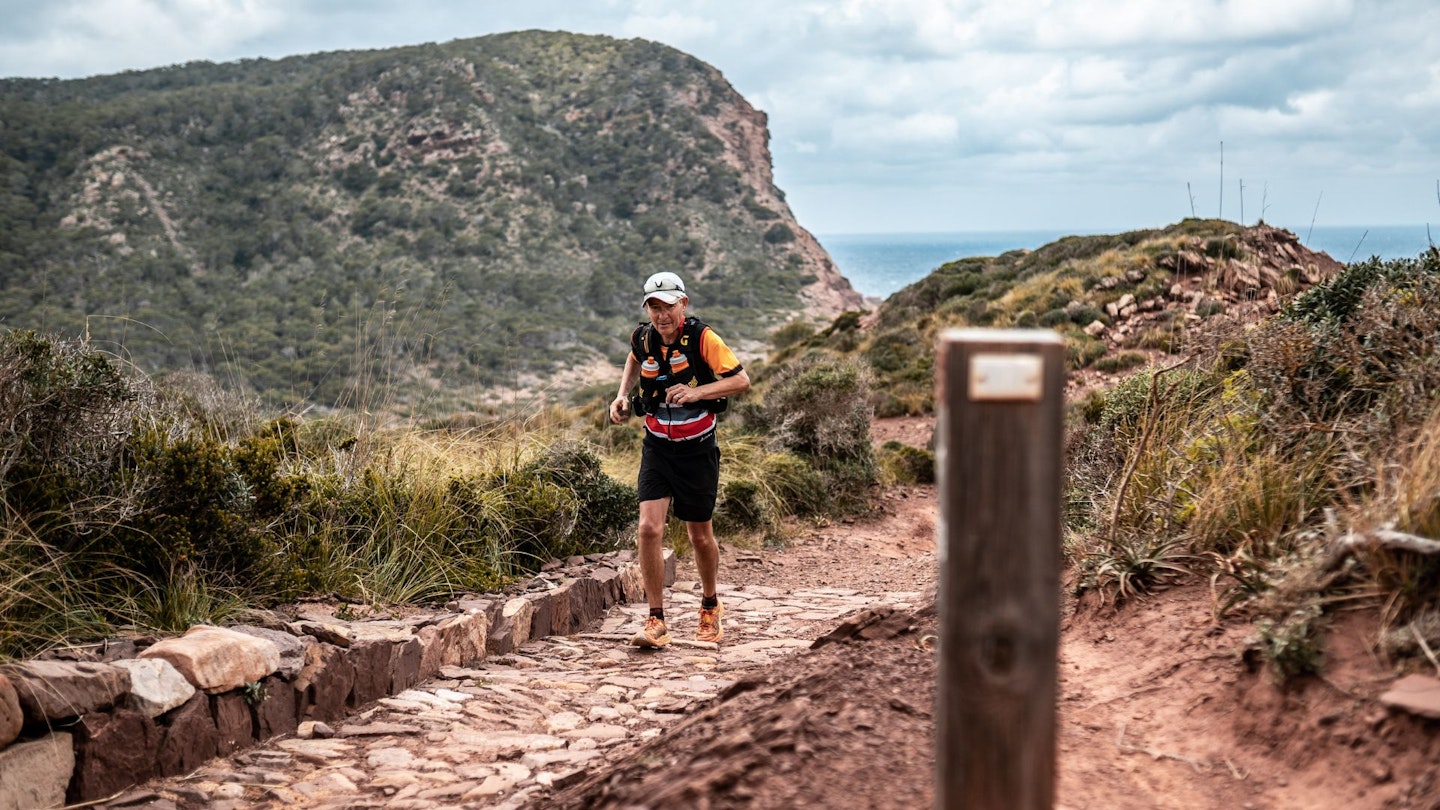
84, 37
878, 132
1111, 104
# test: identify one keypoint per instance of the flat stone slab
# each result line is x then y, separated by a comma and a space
1416, 694
379, 730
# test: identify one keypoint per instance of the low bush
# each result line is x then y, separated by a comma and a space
819, 407
1291, 644
903, 464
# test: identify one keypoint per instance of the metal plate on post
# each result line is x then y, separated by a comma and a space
1011, 377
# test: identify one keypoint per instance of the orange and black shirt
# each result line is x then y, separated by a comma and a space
698, 357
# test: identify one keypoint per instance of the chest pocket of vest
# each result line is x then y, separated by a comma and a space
680, 369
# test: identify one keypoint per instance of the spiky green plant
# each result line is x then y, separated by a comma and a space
1131, 566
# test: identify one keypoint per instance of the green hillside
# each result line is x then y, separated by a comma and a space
434, 222
1120, 300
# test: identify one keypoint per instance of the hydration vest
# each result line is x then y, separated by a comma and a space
662, 366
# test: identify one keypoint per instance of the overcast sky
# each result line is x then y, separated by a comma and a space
936, 115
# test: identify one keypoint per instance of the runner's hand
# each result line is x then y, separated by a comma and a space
619, 410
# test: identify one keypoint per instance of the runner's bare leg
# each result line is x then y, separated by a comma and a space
707, 554
652, 554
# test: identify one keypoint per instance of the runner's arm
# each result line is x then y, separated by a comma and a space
620, 406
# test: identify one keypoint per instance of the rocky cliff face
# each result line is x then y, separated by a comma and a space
464, 217
745, 132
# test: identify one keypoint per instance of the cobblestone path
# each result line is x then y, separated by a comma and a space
504, 733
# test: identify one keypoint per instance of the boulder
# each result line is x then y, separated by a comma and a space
405, 665
156, 686
1416, 694
234, 727
324, 685
454, 641
218, 660
511, 626
632, 584
609, 581
291, 648
328, 632
189, 738
544, 607
12, 717
113, 750
588, 603
273, 713
370, 661
49, 691
35, 773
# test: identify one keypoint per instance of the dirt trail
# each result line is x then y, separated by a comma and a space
1158, 707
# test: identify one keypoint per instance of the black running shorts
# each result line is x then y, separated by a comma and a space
686, 472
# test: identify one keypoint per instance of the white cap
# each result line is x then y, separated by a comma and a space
666, 286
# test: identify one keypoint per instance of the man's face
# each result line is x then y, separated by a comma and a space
668, 318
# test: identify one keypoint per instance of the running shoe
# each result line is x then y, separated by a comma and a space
710, 628
653, 634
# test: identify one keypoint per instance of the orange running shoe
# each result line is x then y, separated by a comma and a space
710, 628
653, 634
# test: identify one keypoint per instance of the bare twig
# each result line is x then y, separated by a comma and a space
1348, 543
1318, 198
1429, 653
1120, 743
94, 802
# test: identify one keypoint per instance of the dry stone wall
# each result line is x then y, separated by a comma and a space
125, 712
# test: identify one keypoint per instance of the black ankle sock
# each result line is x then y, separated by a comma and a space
658, 613
709, 602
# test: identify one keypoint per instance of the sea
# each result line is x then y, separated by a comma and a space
879, 264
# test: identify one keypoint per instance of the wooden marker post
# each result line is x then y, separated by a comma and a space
1000, 429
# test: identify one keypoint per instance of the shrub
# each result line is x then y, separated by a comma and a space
606, 506
779, 234
65, 410
1119, 362
1086, 315
740, 508
1291, 645
194, 506
1210, 307
819, 406
1081, 350
893, 351
1054, 317
791, 334
799, 487
904, 464
1132, 566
